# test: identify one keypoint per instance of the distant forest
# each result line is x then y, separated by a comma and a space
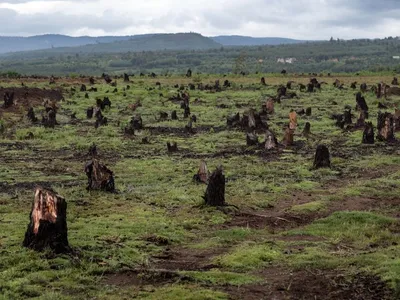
334, 56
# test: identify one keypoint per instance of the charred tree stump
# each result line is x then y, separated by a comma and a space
48, 223
395, 81
186, 112
307, 129
137, 122
202, 174
368, 134
347, 117
100, 119
363, 87
174, 115
361, 119
8, 99
308, 111
172, 147
89, 112
251, 139
31, 115
99, 177
126, 77
215, 192
362, 104
83, 88
93, 151
385, 127
91, 80
189, 73
49, 118
270, 140
322, 157
263, 81
310, 88
189, 127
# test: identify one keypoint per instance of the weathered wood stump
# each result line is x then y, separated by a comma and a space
8, 99
307, 129
263, 81
31, 115
49, 118
288, 138
172, 147
322, 157
189, 127
89, 112
269, 106
48, 222
362, 104
99, 177
251, 139
202, 174
385, 127
270, 140
292, 120
215, 192
368, 134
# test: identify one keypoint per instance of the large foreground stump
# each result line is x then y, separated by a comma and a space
322, 157
99, 177
215, 192
385, 127
48, 222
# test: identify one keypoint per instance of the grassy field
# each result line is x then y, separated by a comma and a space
299, 233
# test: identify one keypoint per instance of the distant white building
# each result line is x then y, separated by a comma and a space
396, 57
290, 60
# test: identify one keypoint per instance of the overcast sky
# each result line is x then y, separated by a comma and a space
300, 19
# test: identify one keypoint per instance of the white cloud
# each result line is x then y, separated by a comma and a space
301, 19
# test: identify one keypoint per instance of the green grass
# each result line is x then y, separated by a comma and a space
157, 199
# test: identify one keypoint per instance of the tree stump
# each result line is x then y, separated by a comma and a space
288, 139
310, 88
362, 104
270, 140
48, 222
396, 119
186, 112
368, 134
307, 129
8, 99
189, 127
91, 80
395, 81
251, 139
308, 111
83, 88
322, 157
363, 87
202, 174
189, 73
174, 115
172, 147
89, 112
263, 81
49, 118
99, 177
215, 192
292, 120
347, 117
270, 106
126, 77
385, 127
31, 115
100, 119
361, 119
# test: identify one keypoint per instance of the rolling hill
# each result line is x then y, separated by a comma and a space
238, 40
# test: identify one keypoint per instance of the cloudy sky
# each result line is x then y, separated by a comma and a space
301, 19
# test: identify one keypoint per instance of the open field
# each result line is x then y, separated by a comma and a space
297, 233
